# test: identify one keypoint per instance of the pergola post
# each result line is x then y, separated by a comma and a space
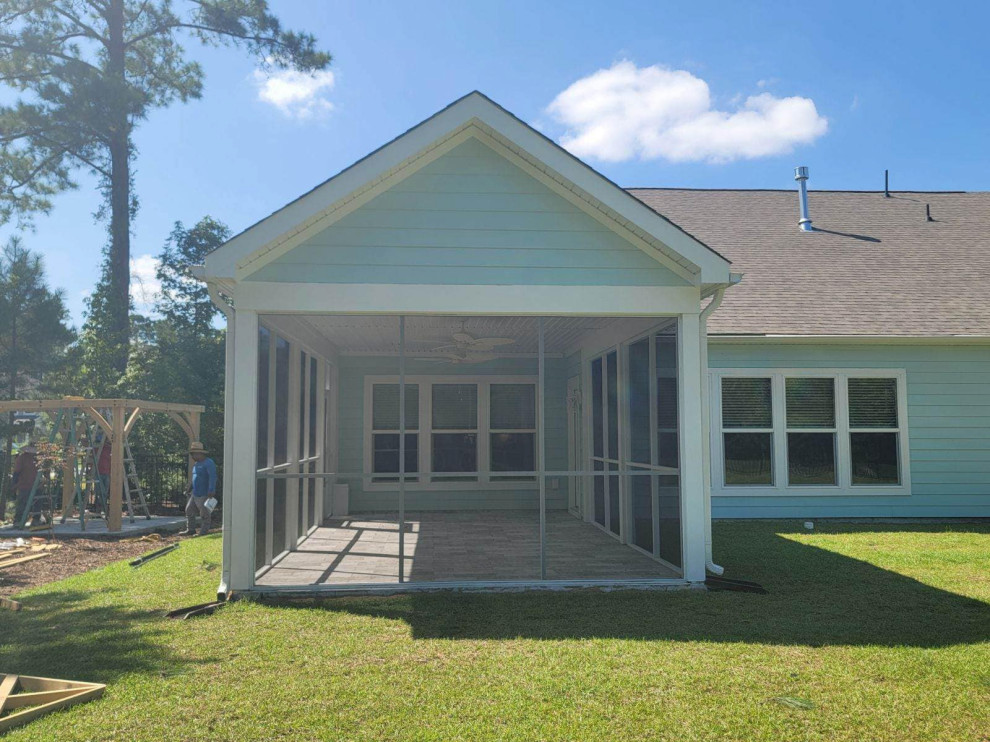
115, 505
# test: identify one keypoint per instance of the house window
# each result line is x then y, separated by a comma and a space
810, 404
873, 431
385, 430
512, 429
458, 429
838, 430
747, 430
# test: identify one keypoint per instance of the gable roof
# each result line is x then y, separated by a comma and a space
473, 115
873, 266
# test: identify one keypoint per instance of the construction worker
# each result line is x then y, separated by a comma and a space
202, 486
24, 475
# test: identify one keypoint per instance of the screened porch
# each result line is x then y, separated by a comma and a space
443, 450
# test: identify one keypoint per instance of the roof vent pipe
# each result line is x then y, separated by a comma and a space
801, 176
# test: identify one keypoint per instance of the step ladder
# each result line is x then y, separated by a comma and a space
133, 485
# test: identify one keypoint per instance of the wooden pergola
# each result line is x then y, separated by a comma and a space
124, 413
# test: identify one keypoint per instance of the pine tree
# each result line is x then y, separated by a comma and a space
87, 72
33, 334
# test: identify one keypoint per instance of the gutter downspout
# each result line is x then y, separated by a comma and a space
706, 427
228, 440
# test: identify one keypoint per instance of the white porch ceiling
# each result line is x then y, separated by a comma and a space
380, 334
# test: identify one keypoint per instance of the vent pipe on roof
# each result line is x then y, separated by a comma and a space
801, 176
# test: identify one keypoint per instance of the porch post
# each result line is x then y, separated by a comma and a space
402, 448
242, 470
692, 449
541, 449
228, 447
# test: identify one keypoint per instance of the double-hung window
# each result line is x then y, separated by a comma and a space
455, 431
458, 430
810, 430
385, 430
512, 430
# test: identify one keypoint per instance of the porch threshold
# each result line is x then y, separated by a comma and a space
267, 592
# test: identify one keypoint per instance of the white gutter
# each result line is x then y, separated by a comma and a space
706, 426
228, 424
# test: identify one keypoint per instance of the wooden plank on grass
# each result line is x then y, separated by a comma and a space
7, 686
10, 605
31, 558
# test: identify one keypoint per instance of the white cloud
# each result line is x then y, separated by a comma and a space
145, 286
626, 112
298, 95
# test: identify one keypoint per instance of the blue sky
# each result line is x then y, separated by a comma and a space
720, 95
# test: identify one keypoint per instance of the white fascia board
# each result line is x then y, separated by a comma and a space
380, 164
550, 301
849, 339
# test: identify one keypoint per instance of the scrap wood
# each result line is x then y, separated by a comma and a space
9, 604
11, 562
40, 696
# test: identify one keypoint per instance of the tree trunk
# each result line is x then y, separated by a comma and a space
120, 194
6, 485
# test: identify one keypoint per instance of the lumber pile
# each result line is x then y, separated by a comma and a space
26, 553
24, 697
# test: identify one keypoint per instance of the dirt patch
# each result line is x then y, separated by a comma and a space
76, 556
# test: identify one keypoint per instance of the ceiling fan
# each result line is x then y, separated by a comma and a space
466, 348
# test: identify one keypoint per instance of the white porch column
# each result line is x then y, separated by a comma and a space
692, 449
242, 466
229, 424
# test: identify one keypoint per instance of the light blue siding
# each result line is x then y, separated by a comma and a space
469, 217
352, 373
948, 397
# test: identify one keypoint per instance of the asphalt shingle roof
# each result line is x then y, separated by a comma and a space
873, 266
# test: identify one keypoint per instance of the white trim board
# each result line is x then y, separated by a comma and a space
461, 300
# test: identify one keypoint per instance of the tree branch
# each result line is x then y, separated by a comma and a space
94, 34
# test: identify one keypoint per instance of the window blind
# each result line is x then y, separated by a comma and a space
872, 403
810, 402
455, 406
747, 403
385, 407
513, 406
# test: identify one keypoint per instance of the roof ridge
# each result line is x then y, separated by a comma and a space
793, 190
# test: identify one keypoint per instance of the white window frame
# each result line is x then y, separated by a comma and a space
486, 480
844, 486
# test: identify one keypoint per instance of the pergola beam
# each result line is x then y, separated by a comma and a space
27, 405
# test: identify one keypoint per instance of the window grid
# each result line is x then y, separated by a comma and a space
843, 432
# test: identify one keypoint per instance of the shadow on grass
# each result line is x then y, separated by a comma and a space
817, 597
62, 635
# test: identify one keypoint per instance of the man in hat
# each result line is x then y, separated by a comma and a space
24, 474
202, 486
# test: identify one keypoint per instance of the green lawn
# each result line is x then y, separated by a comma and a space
884, 629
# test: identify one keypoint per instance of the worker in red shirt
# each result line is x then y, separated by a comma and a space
25, 472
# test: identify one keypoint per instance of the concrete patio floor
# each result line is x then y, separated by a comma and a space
97, 527
459, 546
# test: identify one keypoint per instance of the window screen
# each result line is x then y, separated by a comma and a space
513, 407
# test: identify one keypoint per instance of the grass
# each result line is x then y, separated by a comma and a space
874, 632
